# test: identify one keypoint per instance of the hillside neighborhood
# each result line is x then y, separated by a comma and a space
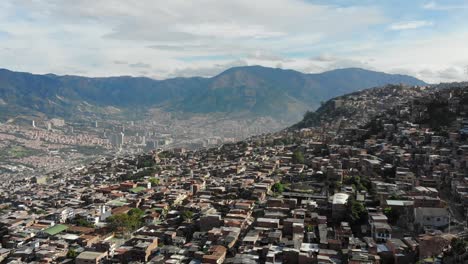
387, 188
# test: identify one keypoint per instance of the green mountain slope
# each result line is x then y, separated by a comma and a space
253, 90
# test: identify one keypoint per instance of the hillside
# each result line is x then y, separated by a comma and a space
371, 112
358, 108
252, 90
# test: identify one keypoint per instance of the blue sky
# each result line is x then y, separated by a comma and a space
162, 39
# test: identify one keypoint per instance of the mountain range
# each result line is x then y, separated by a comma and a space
252, 90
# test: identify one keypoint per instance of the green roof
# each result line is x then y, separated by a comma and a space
137, 189
55, 229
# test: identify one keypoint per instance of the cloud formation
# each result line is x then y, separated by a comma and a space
161, 39
139, 65
433, 5
411, 25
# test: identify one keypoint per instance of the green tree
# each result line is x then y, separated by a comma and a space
154, 181
164, 212
358, 183
391, 214
136, 212
164, 154
72, 253
125, 223
187, 216
458, 246
278, 187
395, 197
80, 221
356, 212
298, 157
338, 185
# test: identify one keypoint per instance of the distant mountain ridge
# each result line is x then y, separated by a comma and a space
254, 90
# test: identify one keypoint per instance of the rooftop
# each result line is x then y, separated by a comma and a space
340, 198
90, 255
55, 229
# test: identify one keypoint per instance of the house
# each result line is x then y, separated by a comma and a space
432, 245
88, 257
339, 205
431, 217
216, 255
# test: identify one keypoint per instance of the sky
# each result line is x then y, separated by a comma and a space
162, 39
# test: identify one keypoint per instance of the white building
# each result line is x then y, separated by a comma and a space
431, 217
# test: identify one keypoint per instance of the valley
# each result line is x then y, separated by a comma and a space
49, 122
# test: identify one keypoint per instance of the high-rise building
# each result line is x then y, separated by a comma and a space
117, 140
121, 138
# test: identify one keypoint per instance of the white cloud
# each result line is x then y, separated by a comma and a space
139, 65
411, 25
120, 62
91, 36
443, 7
228, 31
425, 58
206, 70
324, 57
163, 39
263, 55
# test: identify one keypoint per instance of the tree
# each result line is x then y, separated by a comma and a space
80, 221
136, 212
154, 181
187, 216
145, 161
336, 185
358, 183
298, 157
125, 223
278, 187
164, 212
356, 212
164, 154
395, 197
72, 253
391, 214
458, 246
